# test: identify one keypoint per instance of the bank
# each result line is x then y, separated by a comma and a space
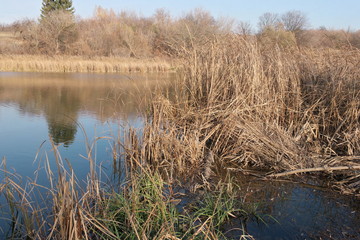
83, 64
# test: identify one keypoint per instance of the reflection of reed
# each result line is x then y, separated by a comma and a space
100, 95
60, 97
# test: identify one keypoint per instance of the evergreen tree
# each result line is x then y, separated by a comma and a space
52, 5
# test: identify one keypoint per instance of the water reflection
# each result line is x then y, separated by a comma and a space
60, 98
61, 114
61, 133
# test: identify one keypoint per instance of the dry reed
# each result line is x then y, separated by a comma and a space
39, 63
253, 107
61, 210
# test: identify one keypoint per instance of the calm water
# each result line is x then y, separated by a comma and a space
298, 211
36, 109
64, 108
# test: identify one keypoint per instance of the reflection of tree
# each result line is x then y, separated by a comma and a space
60, 97
61, 111
60, 105
62, 133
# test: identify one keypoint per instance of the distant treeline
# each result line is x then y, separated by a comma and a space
127, 34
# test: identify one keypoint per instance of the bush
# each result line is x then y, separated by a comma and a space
54, 34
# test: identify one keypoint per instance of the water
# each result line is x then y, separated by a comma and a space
297, 211
70, 110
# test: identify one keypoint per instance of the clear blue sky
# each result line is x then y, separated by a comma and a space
329, 13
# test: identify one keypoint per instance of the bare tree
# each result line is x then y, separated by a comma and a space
57, 31
162, 17
192, 30
268, 20
200, 22
294, 21
244, 28
20, 26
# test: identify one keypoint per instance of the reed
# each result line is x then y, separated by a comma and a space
241, 106
61, 210
144, 206
42, 63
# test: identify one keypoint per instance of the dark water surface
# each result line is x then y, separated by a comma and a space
71, 110
297, 211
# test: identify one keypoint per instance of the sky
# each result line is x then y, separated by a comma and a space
332, 14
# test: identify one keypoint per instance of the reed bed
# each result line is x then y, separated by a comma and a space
241, 107
143, 206
41, 63
60, 210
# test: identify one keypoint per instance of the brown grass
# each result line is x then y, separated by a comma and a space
42, 63
253, 107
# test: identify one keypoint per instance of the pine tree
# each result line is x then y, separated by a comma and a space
52, 5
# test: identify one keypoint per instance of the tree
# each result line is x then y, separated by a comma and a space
268, 20
57, 31
272, 32
52, 5
271, 38
57, 26
294, 21
194, 29
244, 28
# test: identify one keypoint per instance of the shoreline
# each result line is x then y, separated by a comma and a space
82, 64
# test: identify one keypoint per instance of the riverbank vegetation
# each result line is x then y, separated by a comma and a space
244, 106
44, 63
142, 206
125, 41
243, 103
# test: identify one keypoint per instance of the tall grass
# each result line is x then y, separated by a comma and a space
242, 106
143, 207
60, 210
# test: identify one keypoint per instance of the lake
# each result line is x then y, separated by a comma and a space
65, 109
73, 111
